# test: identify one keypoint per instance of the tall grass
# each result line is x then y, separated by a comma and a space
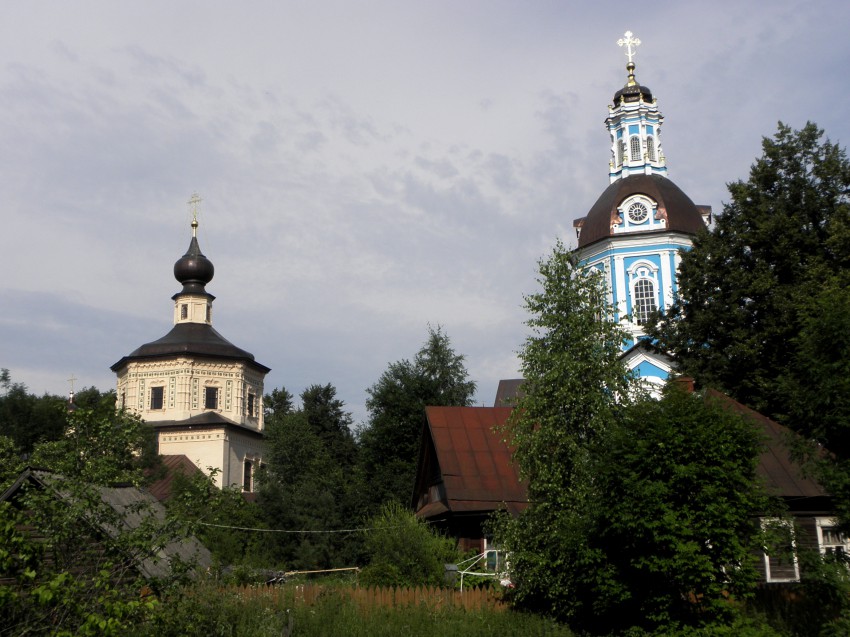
210, 611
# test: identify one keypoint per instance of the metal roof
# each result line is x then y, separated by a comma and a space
196, 339
134, 507
681, 213
781, 474
473, 463
461, 452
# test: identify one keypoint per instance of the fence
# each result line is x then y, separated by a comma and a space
379, 597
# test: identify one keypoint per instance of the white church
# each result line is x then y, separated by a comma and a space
202, 394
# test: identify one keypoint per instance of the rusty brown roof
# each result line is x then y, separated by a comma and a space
171, 466
781, 474
474, 465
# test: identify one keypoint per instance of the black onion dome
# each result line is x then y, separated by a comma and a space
681, 213
193, 269
632, 91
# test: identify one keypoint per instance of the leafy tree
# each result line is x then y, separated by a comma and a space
390, 442
403, 550
640, 512
196, 500
746, 288
328, 419
26, 418
307, 488
573, 379
279, 402
673, 523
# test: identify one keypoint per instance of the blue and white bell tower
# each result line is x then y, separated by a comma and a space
636, 229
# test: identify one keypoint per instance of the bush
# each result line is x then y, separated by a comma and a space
404, 551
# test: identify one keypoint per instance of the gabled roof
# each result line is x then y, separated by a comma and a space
134, 506
171, 467
781, 474
462, 452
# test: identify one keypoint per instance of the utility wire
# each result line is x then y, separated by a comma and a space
247, 528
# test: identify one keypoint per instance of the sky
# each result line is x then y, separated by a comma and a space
367, 168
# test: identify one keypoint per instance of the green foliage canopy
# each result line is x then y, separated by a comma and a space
390, 442
759, 294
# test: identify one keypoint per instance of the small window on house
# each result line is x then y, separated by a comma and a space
184, 311
251, 400
246, 475
156, 397
211, 398
635, 144
650, 148
644, 300
831, 540
123, 399
780, 551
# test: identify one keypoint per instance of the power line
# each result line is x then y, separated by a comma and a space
247, 528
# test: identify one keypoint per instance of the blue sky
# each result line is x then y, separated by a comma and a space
367, 168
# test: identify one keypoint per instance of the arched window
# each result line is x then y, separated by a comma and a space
635, 143
650, 148
621, 152
643, 301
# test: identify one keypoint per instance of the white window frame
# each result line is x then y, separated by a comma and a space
642, 271
766, 558
634, 145
824, 548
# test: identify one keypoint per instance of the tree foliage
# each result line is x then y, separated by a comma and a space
755, 292
390, 442
639, 511
402, 550
308, 484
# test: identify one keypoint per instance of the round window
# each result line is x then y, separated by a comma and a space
638, 212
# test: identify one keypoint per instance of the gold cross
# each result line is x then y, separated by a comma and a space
72, 380
194, 202
630, 43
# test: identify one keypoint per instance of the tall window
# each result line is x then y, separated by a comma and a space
156, 397
635, 144
211, 398
246, 475
184, 311
643, 301
621, 152
650, 148
251, 400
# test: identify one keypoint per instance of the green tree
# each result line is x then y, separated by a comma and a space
673, 524
308, 488
327, 417
573, 380
390, 442
640, 511
746, 287
402, 550
26, 418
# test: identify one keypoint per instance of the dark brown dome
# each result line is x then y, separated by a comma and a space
193, 269
681, 213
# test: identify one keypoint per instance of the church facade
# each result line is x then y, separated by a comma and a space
201, 394
635, 231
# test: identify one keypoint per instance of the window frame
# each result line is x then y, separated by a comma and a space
210, 390
157, 392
